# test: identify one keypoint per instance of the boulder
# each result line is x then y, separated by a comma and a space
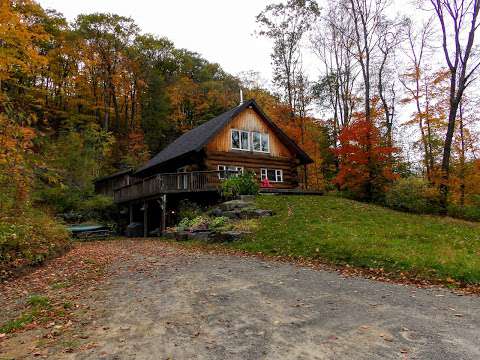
263, 212
233, 205
134, 230
247, 213
247, 198
155, 232
199, 235
228, 236
169, 235
232, 214
181, 235
216, 212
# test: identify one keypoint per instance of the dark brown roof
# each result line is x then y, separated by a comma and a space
111, 176
195, 139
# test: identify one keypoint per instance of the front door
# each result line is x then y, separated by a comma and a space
182, 180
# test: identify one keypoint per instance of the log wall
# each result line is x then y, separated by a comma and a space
219, 151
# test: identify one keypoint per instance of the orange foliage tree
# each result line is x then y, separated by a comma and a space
365, 167
15, 170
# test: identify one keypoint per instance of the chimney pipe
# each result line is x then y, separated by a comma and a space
241, 96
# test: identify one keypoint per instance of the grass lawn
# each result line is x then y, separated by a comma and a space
342, 231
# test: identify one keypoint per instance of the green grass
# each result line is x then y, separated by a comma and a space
37, 304
17, 324
342, 231
38, 301
60, 285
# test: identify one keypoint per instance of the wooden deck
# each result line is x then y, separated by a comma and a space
169, 183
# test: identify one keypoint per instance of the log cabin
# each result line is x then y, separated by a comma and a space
241, 139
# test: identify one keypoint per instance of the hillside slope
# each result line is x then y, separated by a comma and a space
343, 231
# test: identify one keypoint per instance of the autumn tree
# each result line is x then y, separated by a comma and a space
366, 19
106, 37
418, 84
21, 41
390, 36
156, 59
464, 153
365, 169
286, 24
458, 24
332, 43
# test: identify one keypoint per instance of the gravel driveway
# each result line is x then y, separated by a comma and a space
202, 306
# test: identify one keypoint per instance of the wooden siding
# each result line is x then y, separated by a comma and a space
219, 151
256, 163
248, 120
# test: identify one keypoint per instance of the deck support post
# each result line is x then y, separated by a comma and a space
306, 176
163, 213
130, 213
145, 219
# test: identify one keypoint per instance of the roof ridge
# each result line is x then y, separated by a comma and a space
195, 139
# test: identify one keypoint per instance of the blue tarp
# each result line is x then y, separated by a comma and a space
83, 228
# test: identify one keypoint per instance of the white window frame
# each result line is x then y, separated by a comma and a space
262, 135
240, 139
224, 168
263, 174
238, 169
278, 175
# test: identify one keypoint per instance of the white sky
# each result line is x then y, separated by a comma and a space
222, 31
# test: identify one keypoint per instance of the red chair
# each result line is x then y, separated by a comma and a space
265, 183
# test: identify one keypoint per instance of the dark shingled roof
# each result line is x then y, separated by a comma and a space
114, 175
197, 138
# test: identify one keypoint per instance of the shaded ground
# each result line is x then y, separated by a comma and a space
160, 301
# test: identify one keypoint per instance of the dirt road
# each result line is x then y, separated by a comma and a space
203, 306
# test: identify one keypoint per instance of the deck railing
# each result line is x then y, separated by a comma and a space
171, 183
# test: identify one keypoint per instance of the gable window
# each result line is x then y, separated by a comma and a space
260, 142
225, 171
240, 140
273, 175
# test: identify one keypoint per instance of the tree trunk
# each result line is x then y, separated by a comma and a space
447, 150
462, 158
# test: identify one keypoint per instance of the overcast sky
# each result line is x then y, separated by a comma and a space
222, 31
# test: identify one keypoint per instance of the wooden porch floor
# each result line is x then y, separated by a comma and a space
169, 183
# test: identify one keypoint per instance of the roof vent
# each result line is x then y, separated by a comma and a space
241, 97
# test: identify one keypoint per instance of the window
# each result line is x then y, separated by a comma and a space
245, 140
260, 142
240, 140
273, 175
229, 170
